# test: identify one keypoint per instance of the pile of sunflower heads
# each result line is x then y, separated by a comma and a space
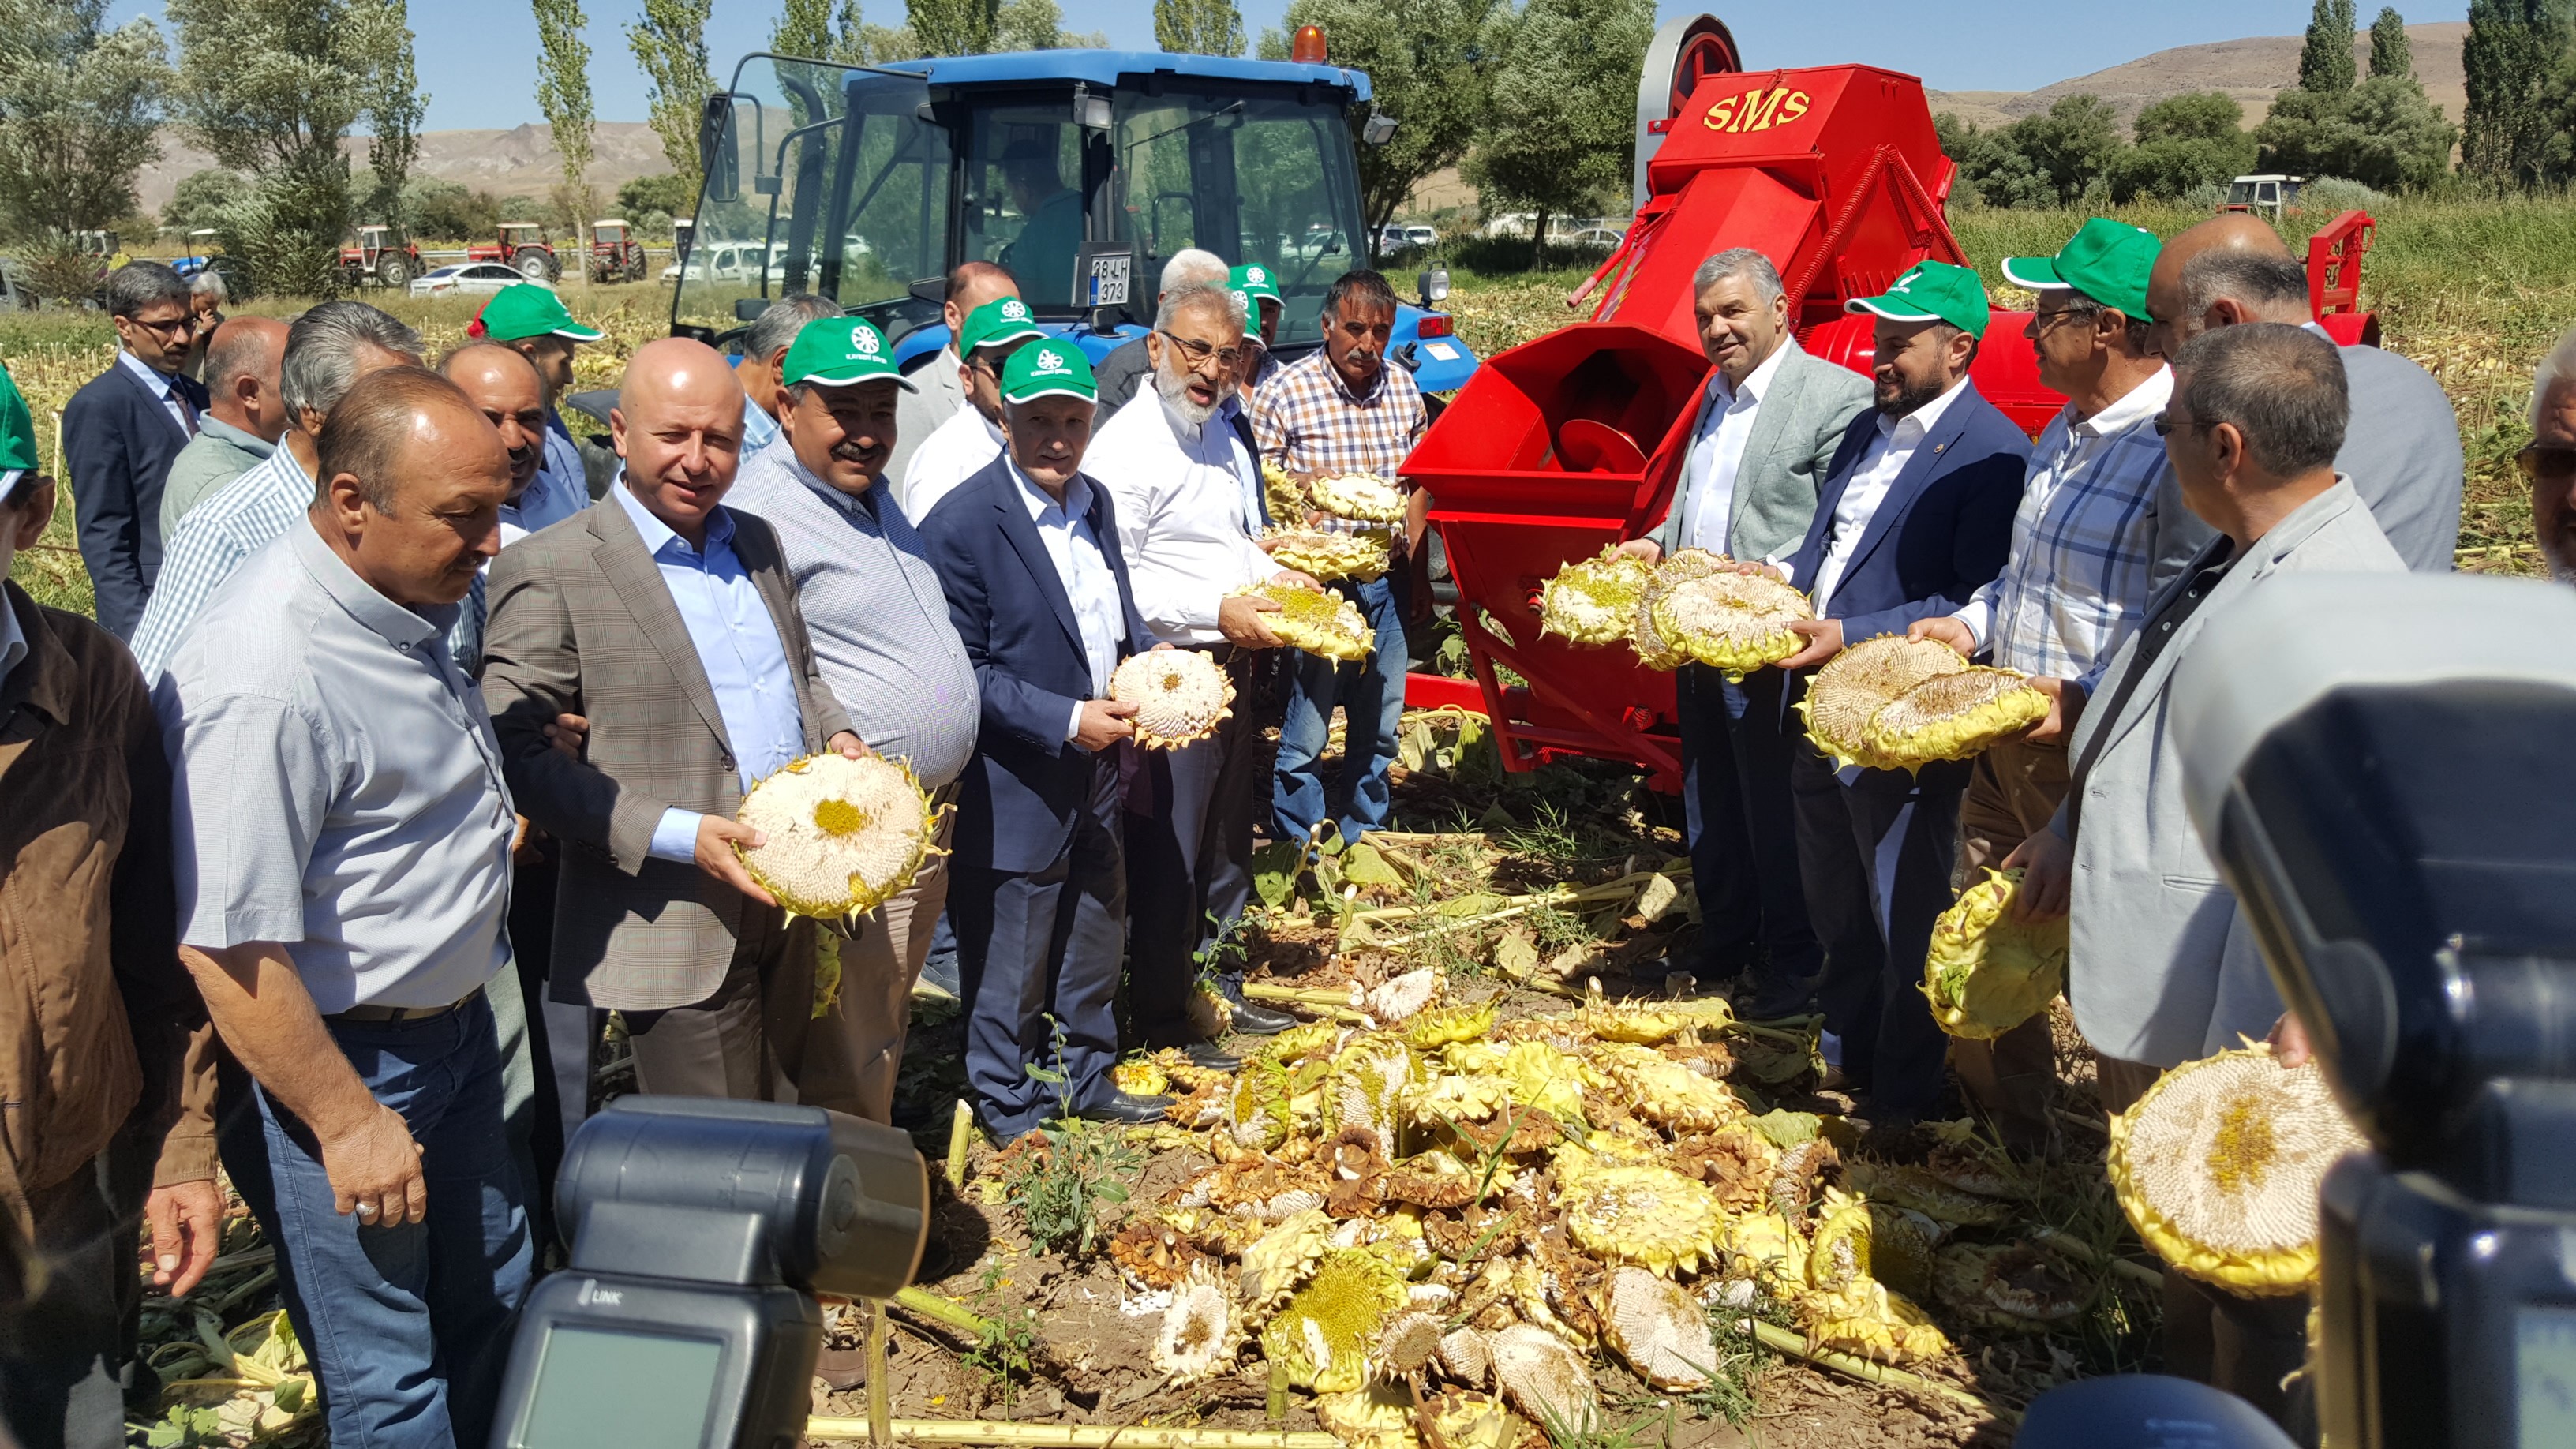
1435, 1220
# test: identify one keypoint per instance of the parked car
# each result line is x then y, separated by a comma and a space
1395, 238
1602, 237
466, 279
708, 261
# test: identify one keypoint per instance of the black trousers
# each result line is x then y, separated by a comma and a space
1875, 854
1190, 814
68, 1300
1038, 955
1736, 744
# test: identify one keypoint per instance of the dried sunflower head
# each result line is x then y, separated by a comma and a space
1456, 1099
1407, 1342
1594, 600
1987, 973
1468, 1420
1664, 1091
1153, 1253
1464, 1357
1865, 1319
1317, 621
1661, 1330
2217, 1167
1368, 1418
1954, 716
1362, 496
842, 834
1853, 685
1872, 1240
1280, 1259
1181, 696
1442, 1025
1654, 648
1322, 1337
1362, 555
1200, 1328
1401, 998
1732, 622
1652, 1217
1912, 1187
1737, 1163
1545, 1379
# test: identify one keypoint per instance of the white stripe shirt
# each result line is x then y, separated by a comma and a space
215, 538
1181, 500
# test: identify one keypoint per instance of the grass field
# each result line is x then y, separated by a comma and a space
2475, 291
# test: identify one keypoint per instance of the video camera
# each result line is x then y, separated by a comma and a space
700, 1232
2385, 770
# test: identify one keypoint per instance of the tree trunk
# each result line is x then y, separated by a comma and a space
1538, 242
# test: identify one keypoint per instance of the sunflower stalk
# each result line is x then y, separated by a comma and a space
1781, 1341
1067, 1436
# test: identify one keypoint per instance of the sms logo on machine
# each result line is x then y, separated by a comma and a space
1758, 109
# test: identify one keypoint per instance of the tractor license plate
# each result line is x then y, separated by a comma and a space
1109, 277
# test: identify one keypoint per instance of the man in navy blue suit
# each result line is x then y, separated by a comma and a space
1027, 551
1915, 514
120, 433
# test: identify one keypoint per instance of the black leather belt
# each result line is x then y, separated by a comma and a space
390, 1015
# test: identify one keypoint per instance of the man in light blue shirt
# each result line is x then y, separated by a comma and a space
341, 841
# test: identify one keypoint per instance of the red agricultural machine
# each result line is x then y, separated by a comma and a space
377, 255
615, 254
524, 247
1576, 440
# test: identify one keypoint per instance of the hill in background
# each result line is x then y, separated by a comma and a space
2253, 70
519, 162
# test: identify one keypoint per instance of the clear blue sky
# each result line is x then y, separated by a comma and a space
477, 57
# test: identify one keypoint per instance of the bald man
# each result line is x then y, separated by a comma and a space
243, 421
919, 414
2402, 447
672, 622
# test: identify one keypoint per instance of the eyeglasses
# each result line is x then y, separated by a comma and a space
2045, 320
2166, 422
2540, 462
171, 328
1199, 352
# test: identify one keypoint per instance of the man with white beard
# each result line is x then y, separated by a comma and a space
2550, 459
1187, 487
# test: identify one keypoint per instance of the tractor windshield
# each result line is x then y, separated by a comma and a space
1253, 174
834, 175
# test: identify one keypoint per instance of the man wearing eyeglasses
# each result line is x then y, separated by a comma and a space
2550, 461
122, 432
1182, 468
2101, 526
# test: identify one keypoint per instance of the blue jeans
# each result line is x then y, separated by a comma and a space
409, 1327
1371, 694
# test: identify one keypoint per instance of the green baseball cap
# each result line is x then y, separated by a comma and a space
1932, 292
2106, 260
840, 352
1255, 282
17, 432
1050, 369
524, 309
1004, 319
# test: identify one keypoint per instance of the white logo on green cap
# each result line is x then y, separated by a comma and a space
1255, 274
863, 338
1050, 360
1014, 309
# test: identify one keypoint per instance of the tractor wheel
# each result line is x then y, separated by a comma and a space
533, 264
394, 272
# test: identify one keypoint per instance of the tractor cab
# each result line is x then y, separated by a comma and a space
2265, 196
1082, 171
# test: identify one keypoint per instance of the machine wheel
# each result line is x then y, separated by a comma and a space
533, 264
394, 272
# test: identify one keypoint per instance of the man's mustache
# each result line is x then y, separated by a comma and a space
857, 450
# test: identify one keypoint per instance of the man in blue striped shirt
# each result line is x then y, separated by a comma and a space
884, 642
327, 350
2101, 526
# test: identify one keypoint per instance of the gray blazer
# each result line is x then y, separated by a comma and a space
1795, 432
2163, 968
2402, 452
917, 415
581, 622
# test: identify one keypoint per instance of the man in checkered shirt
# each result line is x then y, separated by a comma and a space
2100, 528
1341, 409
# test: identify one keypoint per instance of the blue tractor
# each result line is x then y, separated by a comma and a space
1080, 170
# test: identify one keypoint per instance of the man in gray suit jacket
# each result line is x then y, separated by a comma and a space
2402, 447
2163, 968
1765, 436
670, 622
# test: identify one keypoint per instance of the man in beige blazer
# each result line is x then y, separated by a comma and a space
671, 623
1768, 425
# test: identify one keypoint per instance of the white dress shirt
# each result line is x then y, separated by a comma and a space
1181, 514
1875, 473
964, 446
1065, 529
1725, 426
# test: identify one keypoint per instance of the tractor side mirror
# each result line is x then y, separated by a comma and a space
1378, 129
1435, 285
716, 150
1090, 111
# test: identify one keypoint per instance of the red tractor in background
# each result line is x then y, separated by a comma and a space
1577, 439
376, 255
615, 255
523, 246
